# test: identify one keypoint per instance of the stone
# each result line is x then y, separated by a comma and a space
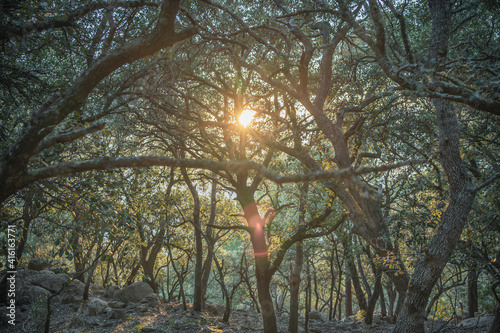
480, 322
316, 315
151, 301
116, 304
116, 314
37, 264
34, 292
76, 288
110, 291
486, 321
50, 281
469, 323
97, 306
71, 299
133, 293
98, 290
148, 329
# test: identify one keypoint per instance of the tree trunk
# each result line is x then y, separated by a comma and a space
348, 295
461, 190
308, 296
198, 265
383, 308
360, 296
91, 273
265, 299
133, 273
28, 215
207, 266
293, 323
373, 299
472, 296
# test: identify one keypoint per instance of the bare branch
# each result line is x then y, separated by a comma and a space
487, 182
68, 137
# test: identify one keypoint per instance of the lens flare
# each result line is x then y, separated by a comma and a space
246, 117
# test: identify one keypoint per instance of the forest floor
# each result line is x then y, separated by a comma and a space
171, 317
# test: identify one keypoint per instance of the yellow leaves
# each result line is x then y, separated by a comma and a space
144, 244
328, 165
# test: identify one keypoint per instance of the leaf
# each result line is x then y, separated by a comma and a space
145, 244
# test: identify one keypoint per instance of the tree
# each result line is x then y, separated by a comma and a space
58, 107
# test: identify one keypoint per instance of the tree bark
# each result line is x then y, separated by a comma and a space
198, 269
91, 273
348, 295
360, 296
207, 266
293, 323
472, 296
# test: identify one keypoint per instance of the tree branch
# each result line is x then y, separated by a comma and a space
68, 137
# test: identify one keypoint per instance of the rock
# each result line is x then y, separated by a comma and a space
97, 306
37, 264
148, 329
116, 304
469, 323
116, 314
34, 292
349, 319
110, 292
316, 315
481, 322
50, 281
486, 321
98, 290
71, 299
76, 288
108, 324
133, 293
151, 301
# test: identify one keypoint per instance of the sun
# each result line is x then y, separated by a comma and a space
246, 117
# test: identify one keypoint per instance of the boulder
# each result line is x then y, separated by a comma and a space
116, 304
133, 293
486, 321
37, 264
50, 281
76, 288
481, 322
34, 292
110, 291
116, 314
70, 299
151, 301
97, 306
316, 315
